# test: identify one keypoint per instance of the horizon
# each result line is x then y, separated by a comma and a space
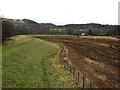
60, 25
63, 12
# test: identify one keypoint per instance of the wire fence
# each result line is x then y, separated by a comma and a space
82, 81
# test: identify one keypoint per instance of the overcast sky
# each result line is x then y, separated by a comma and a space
62, 12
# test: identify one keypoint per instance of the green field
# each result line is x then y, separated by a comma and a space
32, 63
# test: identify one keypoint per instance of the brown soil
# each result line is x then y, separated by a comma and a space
95, 57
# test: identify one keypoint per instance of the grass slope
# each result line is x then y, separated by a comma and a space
32, 63
0, 66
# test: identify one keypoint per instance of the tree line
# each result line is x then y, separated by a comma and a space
11, 27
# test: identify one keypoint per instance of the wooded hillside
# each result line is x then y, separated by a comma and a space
12, 27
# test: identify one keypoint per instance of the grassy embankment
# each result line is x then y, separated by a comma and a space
0, 66
32, 63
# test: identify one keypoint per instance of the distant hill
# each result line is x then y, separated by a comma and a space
29, 21
26, 26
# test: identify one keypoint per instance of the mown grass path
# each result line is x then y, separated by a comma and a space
32, 63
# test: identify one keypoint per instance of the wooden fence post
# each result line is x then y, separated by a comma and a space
65, 65
73, 72
78, 76
83, 82
90, 85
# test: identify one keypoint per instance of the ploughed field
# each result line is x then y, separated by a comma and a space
95, 56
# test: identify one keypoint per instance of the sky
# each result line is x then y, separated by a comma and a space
61, 12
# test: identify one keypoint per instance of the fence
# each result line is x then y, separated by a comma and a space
82, 81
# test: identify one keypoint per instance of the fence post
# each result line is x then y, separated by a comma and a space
78, 76
83, 82
73, 72
65, 65
90, 85
68, 66
70, 69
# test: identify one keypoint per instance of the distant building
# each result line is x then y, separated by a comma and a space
84, 34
